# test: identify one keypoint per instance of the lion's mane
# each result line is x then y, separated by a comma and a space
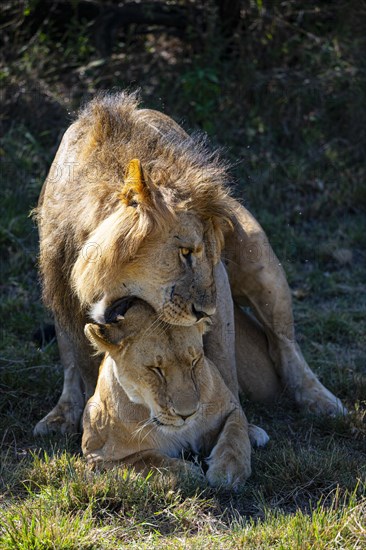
93, 226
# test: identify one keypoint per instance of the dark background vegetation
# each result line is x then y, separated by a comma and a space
281, 85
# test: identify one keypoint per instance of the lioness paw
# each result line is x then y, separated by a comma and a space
229, 473
228, 466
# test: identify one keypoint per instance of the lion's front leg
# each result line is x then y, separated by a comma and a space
257, 278
66, 415
229, 461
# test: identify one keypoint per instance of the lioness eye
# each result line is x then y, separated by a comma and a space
196, 361
158, 371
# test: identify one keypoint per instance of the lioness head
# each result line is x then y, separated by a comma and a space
158, 366
156, 247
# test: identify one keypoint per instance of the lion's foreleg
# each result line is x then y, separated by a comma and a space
256, 277
219, 342
65, 416
230, 460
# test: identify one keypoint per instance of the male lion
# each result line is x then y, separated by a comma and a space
132, 205
157, 396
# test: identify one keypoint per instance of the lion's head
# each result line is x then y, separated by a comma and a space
173, 270
159, 366
143, 212
160, 243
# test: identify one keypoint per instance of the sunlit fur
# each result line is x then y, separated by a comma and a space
105, 234
88, 231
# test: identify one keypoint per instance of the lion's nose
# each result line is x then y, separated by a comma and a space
201, 314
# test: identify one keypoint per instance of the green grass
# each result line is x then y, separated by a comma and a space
62, 504
297, 150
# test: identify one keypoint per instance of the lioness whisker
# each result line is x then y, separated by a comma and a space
157, 321
155, 329
137, 432
144, 424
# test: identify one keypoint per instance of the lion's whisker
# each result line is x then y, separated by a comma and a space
228, 260
155, 325
152, 329
161, 329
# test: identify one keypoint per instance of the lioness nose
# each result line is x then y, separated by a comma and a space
186, 414
200, 314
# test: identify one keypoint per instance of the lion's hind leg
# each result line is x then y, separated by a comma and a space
257, 375
258, 279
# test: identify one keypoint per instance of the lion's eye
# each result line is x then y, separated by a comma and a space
186, 252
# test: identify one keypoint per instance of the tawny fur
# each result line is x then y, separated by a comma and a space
106, 234
180, 173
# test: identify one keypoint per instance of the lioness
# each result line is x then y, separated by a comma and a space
132, 205
157, 395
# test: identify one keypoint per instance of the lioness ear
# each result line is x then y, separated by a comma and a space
105, 337
135, 190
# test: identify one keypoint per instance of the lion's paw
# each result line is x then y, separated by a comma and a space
318, 400
258, 437
64, 418
302, 384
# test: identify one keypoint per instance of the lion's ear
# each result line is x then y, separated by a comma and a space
105, 338
134, 190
